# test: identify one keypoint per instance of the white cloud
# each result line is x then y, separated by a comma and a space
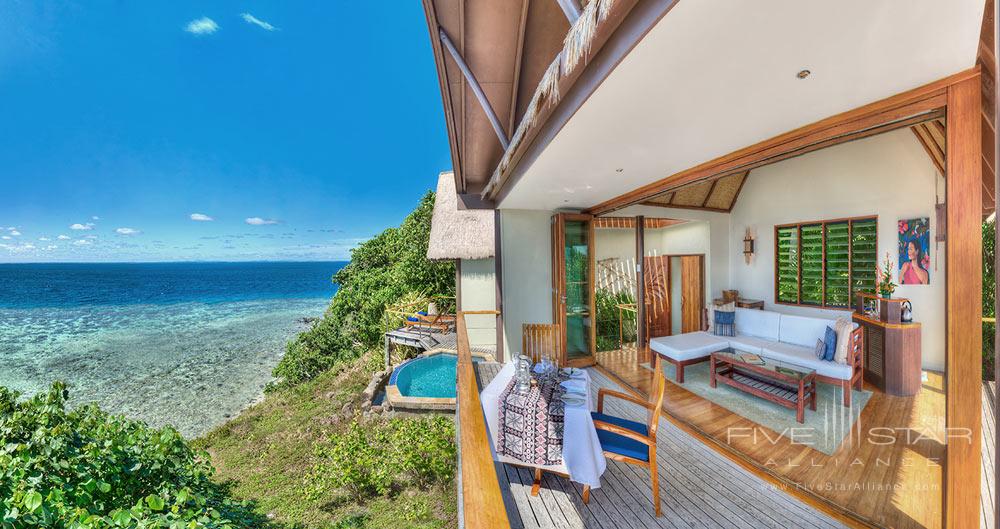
81, 242
6, 237
78, 226
201, 217
257, 221
250, 19
44, 239
15, 233
127, 231
202, 26
90, 237
95, 217
64, 237
51, 247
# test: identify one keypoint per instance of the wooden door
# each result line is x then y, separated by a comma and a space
573, 303
657, 290
692, 292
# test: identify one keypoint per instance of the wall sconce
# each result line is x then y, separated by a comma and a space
748, 246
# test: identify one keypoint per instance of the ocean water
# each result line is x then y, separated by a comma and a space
186, 344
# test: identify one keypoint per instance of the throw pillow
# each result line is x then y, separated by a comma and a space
725, 323
831, 344
820, 350
843, 328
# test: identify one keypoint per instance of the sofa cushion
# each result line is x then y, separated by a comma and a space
759, 323
805, 357
801, 330
829, 344
688, 346
749, 344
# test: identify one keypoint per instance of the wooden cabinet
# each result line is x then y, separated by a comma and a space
892, 355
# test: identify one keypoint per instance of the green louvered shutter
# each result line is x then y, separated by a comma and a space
812, 264
838, 254
787, 262
864, 255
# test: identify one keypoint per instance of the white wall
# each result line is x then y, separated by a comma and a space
525, 237
479, 293
888, 175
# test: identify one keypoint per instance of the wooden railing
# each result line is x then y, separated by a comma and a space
481, 501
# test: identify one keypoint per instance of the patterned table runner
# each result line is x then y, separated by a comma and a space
531, 423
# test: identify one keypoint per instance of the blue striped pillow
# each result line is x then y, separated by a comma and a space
724, 323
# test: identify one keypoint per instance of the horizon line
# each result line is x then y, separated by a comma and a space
179, 261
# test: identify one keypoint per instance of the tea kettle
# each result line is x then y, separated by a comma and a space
907, 314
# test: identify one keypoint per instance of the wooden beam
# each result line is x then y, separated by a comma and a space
924, 142
446, 96
498, 282
739, 190
482, 502
964, 263
484, 103
893, 112
512, 120
640, 287
711, 189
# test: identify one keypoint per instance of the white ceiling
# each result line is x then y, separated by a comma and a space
715, 76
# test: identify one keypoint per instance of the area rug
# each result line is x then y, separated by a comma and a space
824, 429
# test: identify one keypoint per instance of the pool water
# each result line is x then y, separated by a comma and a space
427, 376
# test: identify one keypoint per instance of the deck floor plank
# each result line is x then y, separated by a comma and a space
699, 488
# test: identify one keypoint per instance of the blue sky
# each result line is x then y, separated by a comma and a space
299, 128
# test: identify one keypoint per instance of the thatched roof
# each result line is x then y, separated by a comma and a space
455, 233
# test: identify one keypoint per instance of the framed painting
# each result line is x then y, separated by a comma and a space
914, 251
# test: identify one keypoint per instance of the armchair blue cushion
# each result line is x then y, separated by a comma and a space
612, 442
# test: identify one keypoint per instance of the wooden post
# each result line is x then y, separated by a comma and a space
964, 264
498, 281
640, 289
996, 257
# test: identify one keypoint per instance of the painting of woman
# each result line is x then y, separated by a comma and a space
914, 252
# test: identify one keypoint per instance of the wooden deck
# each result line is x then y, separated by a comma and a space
699, 487
902, 490
989, 470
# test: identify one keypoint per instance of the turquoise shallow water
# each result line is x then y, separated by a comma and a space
187, 344
192, 365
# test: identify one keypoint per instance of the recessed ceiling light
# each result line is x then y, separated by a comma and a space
803, 74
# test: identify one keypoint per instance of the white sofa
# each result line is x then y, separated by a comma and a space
772, 335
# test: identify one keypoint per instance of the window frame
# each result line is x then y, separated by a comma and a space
798, 254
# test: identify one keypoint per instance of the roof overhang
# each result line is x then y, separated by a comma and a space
456, 232
713, 77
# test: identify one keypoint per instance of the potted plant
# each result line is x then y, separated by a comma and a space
883, 278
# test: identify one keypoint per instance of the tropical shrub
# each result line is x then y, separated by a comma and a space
607, 303
376, 457
83, 468
382, 271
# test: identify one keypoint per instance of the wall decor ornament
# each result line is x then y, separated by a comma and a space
914, 251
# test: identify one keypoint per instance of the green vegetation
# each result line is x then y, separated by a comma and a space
607, 319
377, 457
84, 468
382, 271
280, 453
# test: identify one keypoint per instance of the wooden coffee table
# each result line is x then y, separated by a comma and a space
782, 383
